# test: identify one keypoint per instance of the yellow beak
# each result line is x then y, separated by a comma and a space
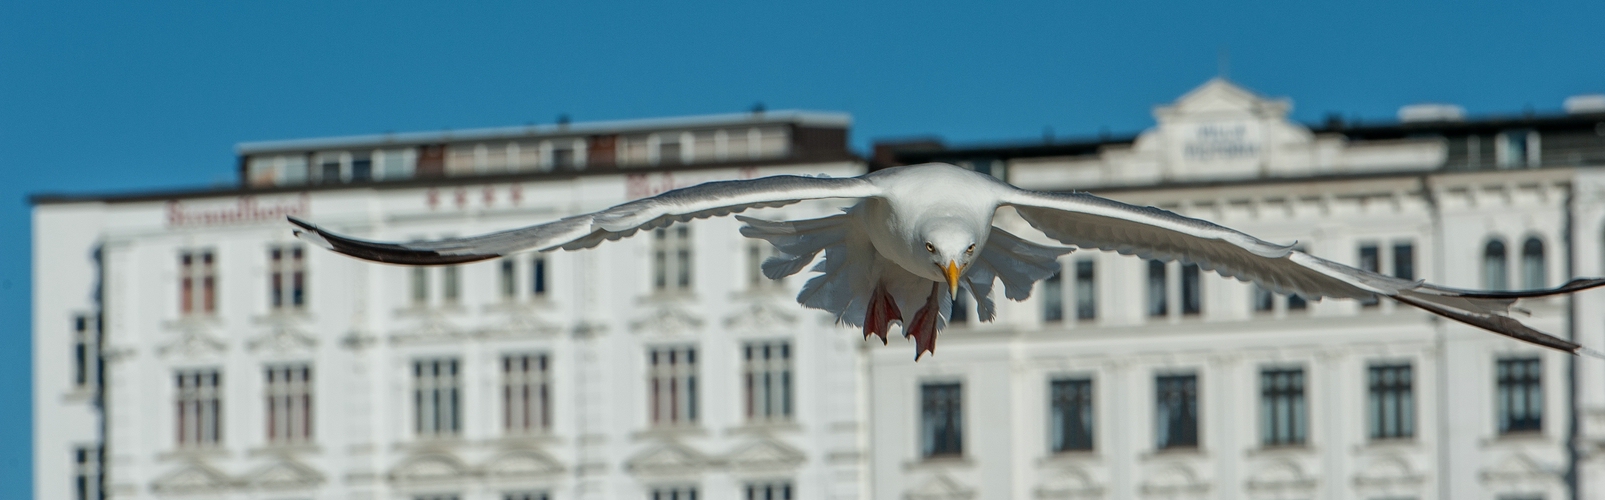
952, 272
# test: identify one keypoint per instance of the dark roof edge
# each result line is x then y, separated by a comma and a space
1265, 181
183, 193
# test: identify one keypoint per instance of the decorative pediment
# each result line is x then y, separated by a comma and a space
759, 316
765, 454
284, 475
1221, 96
1174, 480
669, 458
667, 321
522, 463
282, 338
1519, 467
1386, 472
522, 323
1280, 477
1070, 483
940, 487
193, 478
430, 468
431, 326
193, 343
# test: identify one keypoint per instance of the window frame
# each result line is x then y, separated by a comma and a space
1284, 406
1531, 384
1063, 402
1390, 382
778, 372
672, 386
1191, 436
942, 438
298, 398
526, 390
447, 395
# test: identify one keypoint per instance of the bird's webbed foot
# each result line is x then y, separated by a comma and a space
881, 313
923, 328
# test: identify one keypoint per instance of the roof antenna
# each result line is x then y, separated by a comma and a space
1223, 62
757, 108
562, 120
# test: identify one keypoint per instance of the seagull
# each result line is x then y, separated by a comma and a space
920, 235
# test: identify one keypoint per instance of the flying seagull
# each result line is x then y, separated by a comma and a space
920, 235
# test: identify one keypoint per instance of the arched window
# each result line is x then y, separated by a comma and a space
1494, 273
1532, 264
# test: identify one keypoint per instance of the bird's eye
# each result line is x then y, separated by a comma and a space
970, 251
929, 247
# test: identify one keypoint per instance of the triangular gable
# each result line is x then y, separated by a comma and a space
429, 468
1388, 471
1280, 476
765, 454
1070, 483
522, 463
1221, 96
287, 474
940, 487
193, 478
669, 458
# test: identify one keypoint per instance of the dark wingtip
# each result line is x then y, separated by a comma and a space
386, 253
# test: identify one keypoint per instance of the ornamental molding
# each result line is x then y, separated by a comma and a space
192, 478
940, 487
765, 455
760, 316
285, 474
1070, 483
668, 321
669, 458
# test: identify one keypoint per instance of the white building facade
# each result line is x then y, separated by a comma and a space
186, 346
236, 362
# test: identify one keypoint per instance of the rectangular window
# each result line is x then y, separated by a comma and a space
1404, 260
1520, 395
1370, 260
200, 408
671, 258
420, 286
1053, 298
286, 277
1391, 401
773, 490
509, 278
669, 153
537, 276
941, 420
197, 282
1157, 301
87, 481
436, 397
1176, 411
1086, 291
1282, 411
674, 493
526, 394
766, 370
1070, 420
672, 385
361, 167
1192, 292
289, 404
450, 284
85, 350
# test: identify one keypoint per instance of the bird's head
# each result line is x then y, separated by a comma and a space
951, 247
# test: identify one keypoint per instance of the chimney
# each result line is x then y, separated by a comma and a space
1418, 113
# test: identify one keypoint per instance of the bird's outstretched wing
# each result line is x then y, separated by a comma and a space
1089, 221
709, 199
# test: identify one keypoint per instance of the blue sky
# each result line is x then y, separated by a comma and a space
103, 97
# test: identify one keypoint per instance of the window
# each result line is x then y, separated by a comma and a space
1494, 274
197, 282
1070, 420
671, 258
1370, 260
674, 493
1176, 411
1192, 301
1520, 395
509, 278
1532, 264
960, 311
329, 170
85, 351
766, 368
1053, 298
562, 158
773, 490
1157, 306
200, 408
673, 385
435, 397
1086, 291
1404, 260
1391, 401
420, 286
759, 251
451, 284
527, 495
537, 276
361, 167
286, 277
1518, 149
87, 481
526, 394
1283, 420
289, 404
941, 420
669, 152
396, 164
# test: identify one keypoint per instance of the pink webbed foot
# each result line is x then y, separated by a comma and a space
881, 313
923, 328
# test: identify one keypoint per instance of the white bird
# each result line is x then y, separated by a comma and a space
919, 235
